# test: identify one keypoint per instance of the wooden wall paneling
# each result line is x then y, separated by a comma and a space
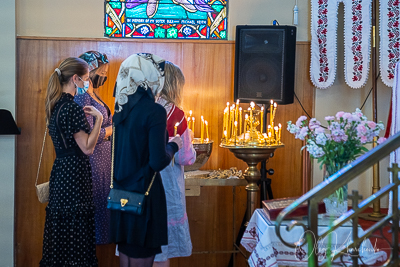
208, 68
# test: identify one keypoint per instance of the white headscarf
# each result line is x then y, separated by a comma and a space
144, 70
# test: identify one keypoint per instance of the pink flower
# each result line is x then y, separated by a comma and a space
347, 116
381, 140
361, 130
363, 139
371, 125
329, 118
319, 130
314, 124
339, 115
300, 120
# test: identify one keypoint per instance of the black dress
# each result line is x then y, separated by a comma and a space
69, 234
141, 149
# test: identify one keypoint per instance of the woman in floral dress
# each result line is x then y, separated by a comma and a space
100, 160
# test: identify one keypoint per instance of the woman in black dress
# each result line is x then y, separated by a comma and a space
69, 233
141, 149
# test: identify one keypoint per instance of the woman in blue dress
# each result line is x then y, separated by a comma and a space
100, 160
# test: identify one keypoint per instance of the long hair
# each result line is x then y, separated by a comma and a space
60, 77
173, 85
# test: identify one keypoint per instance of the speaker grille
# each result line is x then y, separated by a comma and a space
264, 63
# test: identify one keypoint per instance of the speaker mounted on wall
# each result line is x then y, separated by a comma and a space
265, 63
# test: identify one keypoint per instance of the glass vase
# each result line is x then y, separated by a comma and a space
336, 203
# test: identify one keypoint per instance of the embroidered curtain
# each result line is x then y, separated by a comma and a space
357, 25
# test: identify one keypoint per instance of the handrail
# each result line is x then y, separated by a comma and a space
337, 180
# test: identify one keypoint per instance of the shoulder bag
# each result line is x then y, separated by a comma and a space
42, 190
126, 201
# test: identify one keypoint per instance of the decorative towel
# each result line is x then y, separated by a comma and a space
395, 127
357, 38
389, 15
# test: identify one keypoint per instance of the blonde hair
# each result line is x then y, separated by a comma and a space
173, 85
61, 76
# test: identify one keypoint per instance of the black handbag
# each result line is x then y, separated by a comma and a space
122, 200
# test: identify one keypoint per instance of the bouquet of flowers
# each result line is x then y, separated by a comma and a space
341, 142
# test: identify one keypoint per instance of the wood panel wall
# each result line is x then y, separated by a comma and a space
208, 67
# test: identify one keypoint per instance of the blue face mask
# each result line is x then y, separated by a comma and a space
80, 90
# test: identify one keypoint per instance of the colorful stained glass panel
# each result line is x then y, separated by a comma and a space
169, 19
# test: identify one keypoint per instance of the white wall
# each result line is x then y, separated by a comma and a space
65, 18
7, 142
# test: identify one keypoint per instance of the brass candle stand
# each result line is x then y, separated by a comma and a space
252, 155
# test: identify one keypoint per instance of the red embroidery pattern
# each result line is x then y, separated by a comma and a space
393, 34
357, 39
321, 33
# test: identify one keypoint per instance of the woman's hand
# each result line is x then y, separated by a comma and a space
90, 110
178, 140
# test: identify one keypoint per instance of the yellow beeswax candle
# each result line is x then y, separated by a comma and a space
193, 119
240, 121
273, 116
262, 119
246, 121
276, 128
176, 128
202, 129
271, 107
235, 133
280, 132
189, 121
206, 122
237, 110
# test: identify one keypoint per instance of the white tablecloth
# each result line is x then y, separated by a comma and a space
267, 249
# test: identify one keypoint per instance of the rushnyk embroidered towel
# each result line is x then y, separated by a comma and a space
389, 33
395, 127
356, 42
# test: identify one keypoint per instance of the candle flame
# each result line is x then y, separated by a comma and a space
227, 104
276, 128
265, 135
275, 105
246, 116
240, 109
202, 119
252, 104
206, 122
193, 118
235, 123
237, 102
190, 113
272, 101
262, 108
280, 125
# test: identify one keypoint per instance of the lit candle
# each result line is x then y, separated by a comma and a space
225, 125
270, 111
269, 130
276, 128
225, 134
270, 137
279, 133
246, 121
265, 138
206, 122
202, 130
237, 110
189, 121
231, 133
176, 128
235, 133
193, 125
273, 116
227, 118
240, 121
262, 119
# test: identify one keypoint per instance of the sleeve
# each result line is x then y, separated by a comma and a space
76, 120
161, 152
84, 100
186, 155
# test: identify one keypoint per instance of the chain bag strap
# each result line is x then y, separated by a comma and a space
42, 190
122, 200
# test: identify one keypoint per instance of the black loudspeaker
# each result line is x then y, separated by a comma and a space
264, 63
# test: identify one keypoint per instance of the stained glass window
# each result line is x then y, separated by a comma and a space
166, 19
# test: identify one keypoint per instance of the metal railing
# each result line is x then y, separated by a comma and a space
327, 187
